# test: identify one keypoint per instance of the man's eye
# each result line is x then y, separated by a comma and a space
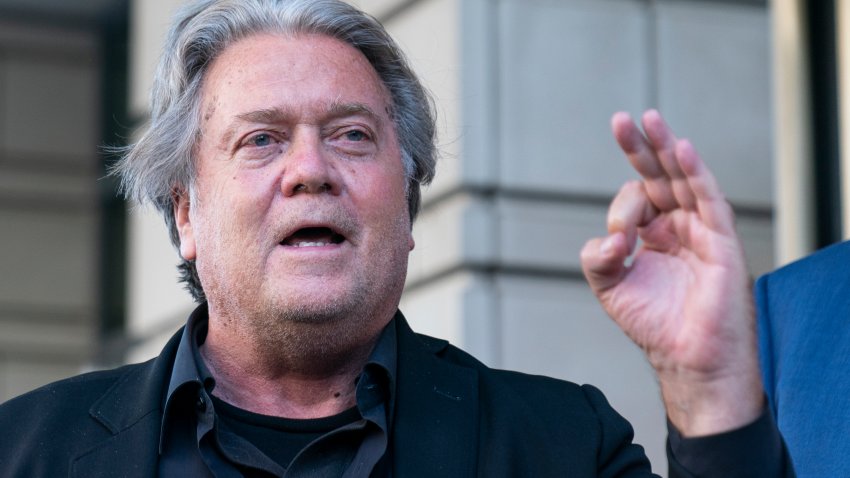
355, 135
261, 140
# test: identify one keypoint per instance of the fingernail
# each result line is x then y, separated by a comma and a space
607, 245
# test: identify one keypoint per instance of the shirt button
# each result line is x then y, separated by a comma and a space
201, 404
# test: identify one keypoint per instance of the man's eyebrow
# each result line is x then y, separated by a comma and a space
338, 110
280, 115
265, 115
331, 111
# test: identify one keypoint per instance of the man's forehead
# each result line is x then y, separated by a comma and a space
293, 50
311, 71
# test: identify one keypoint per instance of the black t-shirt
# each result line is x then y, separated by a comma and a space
279, 438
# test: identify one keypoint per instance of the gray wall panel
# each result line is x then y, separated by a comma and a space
714, 87
565, 67
51, 107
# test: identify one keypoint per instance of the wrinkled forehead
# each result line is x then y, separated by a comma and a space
286, 71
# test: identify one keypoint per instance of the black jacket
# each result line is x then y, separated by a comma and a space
454, 417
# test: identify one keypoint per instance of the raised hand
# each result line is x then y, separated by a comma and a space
685, 298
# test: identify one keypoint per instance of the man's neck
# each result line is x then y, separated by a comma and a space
299, 387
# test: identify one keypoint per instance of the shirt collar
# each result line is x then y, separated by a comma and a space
384, 355
376, 384
190, 371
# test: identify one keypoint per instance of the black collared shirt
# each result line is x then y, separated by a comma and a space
195, 441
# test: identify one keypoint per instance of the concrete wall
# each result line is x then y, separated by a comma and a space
49, 120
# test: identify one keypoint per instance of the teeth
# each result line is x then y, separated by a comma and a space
310, 244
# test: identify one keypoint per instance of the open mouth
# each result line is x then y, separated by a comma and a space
313, 237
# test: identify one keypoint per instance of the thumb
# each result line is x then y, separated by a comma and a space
602, 261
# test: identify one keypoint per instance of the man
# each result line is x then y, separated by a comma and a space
287, 144
803, 343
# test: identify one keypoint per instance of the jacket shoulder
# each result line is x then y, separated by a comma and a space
509, 380
823, 265
64, 399
563, 425
518, 388
54, 422
68, 392
806, 294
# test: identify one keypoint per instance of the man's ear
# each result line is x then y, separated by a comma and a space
182, 220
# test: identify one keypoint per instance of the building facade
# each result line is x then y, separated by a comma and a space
524, 89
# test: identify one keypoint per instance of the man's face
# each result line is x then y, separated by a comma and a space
300, 212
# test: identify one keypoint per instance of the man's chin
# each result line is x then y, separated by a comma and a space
313, 329
312, 315
315, 309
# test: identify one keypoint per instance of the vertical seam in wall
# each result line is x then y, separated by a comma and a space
4, 376
4, 82
653, 45
494, 53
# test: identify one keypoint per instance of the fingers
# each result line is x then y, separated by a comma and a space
630, 209
603, 258
643, 158
712, 206
602, 261
674, 176
654, 157
663, 140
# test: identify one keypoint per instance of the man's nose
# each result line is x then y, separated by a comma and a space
308, 168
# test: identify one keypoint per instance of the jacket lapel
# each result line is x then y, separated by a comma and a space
132, 412
130, 453
436, 418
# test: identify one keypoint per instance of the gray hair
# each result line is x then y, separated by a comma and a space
161, 163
